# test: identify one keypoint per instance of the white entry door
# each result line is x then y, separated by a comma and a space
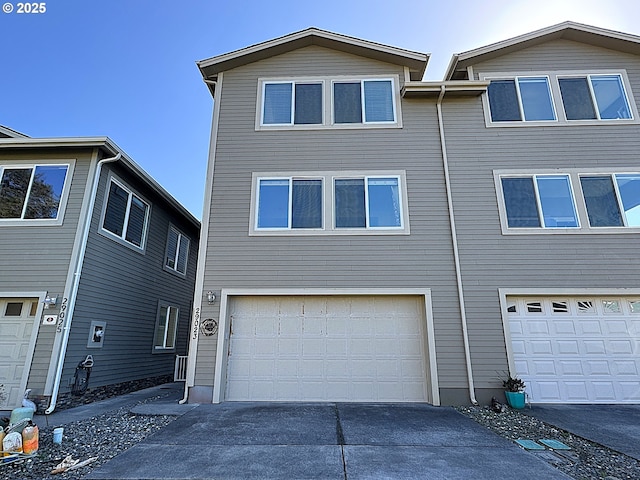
327, 348
577, 350
17, 317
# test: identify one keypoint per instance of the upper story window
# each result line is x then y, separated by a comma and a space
313, 103
571, 202
329, 203
594, 97
366, 101
33, 192
612, 200
177, 254
292, 103
125, 215
521, 99
559, 98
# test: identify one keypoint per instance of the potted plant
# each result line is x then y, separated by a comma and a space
514, 391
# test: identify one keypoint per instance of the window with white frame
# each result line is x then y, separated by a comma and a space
292, 103
594, 97
559, 98
177, 254
521, 99
328, 103
32, 192
164, 338
571, 202
539, 201
125, 215
612, 200
329, 203
363, 101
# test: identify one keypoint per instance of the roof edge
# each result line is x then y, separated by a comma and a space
560, 30
416, 61
110, 147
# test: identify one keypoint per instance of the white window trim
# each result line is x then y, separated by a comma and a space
293, 83
327, 103
556, 98
578, 201
121, 239
328, 203
186, 266
163, 349
64, 197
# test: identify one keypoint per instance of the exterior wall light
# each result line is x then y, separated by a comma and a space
211, 297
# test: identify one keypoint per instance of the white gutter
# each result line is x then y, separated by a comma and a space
204, 236
66, 330
456, 256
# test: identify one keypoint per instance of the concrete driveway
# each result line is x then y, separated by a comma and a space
324, 441
616, 426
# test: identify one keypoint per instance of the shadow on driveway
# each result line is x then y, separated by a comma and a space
324, 441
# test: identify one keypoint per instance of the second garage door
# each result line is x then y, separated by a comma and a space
577, 350
327, 348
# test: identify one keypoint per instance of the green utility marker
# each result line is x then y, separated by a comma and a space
555, 444
529, 444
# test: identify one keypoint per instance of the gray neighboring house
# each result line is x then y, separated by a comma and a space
371, 237
96, 258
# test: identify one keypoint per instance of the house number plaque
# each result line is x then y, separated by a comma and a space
209, 327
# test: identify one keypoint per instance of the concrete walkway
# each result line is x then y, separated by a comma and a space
324, 441
615, 426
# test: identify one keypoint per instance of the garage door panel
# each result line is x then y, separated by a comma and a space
591, 349
326, 349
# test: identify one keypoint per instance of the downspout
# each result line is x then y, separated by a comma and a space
456, 256
202, 251
66, 330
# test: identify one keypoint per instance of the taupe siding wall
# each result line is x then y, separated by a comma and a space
36, 258
422, 259
491, 260
122, 287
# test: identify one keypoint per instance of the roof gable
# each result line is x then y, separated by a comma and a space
576, 32
416, 62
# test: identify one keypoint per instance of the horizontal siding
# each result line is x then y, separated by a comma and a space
36, 258
491, 260
122, 287
420, 260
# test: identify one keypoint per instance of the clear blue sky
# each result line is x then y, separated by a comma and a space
126, 68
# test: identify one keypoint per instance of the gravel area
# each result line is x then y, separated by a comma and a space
103, 436
585, 460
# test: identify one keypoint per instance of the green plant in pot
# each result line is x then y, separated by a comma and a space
514, 391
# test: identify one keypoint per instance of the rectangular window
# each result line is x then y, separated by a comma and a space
290, 103
515, 100
166, 327
535, 203
539, 201
366, 101
32, 192
125, 215
521, 99
354, 203
177, 251
367, 203
289, 203
594, 97
612, 200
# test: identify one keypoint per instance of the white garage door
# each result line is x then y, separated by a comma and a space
16, 326
327, 348
577, 350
